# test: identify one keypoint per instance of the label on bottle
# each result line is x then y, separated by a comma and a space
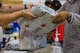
56, 49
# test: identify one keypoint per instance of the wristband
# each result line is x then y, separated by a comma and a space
25, 6
0, 5
69, 18
22, 13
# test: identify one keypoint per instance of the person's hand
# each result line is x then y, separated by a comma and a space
30, 6
60, 17
28, 15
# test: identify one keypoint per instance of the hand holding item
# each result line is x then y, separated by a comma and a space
61, 17
29, 6
28, 15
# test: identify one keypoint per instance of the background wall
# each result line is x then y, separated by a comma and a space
40, 1
33, 1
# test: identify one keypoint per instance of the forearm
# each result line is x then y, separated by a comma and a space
11, 7
7, 18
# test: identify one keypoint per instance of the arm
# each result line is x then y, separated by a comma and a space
11, 7
74, 19
7, 18
14, 7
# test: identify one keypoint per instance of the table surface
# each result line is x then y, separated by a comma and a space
47, 49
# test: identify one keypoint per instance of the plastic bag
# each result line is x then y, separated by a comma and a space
31, 41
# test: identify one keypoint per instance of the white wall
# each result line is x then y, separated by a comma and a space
33, 1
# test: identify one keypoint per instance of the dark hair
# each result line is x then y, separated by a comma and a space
56, 4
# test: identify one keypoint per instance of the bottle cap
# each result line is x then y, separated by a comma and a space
56, 39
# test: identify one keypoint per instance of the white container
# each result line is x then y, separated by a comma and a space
56, 47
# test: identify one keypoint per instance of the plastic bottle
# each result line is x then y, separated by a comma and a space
8, 30
16, 29
56, 46
15, 36
43, 42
